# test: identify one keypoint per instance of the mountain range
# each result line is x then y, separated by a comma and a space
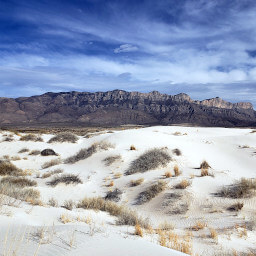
120, 107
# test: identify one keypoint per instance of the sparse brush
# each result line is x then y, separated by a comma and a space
111, 159
138, 230
23, 150
166, 226
65, 179
168, 174
34, 152
213, 234
111, 183
241, 189
236, 207
137, 182
15, 158
183, 184
68, 204
31, 137
53, 202
8, 139
150, 160
204, 165
176, 170
50, 173
64, 137
7, 168
198, 226
114, 195
87, 152
177, 152
151, 192
18, 182
51, 163
204, 172
132, 147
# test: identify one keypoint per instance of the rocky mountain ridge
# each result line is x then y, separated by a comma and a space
121, 107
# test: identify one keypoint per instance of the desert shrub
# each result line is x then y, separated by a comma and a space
7, 168
132, 147
51, 163
23, 150
204, 165
183, 184
18, 181
34, 152
111, 183
8, 139
242, 188
114, 195
166, 226
87, 152
150, 160
151, 192
204, 172
50, 173
111, 159
53, 202
138, 230
124, 215
68, 204
137, 182
65, 179
64, 137
15, 158
198, 226
31, 137
48, 152
168, 174
176, 170
236, 207
177, 152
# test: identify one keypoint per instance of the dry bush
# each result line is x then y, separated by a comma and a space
23, 150
177, 152
65, 179
87, 152
6, 157
168, 174
124, 215
8, 139
68, 204
53, 202
64, 218
18, 182
138, 230
176, 170
204, 165
50, 173
214, 234
111, 159
132, 147
64, 137
183, 184
166, 226
117, 175
198, 226
7, 168
137, 182
150, 160
151, 192
51, 163
34, 152
242, 188
177, 133
15, 158
31, 137
114, 195
48, 152
111, 183
204, 172
236, 207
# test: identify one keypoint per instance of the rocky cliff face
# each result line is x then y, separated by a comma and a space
121, 107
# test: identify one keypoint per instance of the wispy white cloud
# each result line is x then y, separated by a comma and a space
126, 48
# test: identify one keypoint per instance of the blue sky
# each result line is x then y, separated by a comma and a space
205, 48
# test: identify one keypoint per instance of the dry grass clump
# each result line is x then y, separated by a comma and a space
50, 173
124, 215
165, 226
114, 195
18, 182
138, 230
236, 207
64, 137
183, 184
34, 152
23, 150
53, 202
198, 226
65, 179
118, 175
204, 172
8, 139
214, 234
15, 158
68, 204
137, 182
111, 159
168, 174
176, 170
204, 165
177, 152
8, 168
132, 147
51, 163
111, 183
31, 137
150, 160
242, 188
87, 152
151, 192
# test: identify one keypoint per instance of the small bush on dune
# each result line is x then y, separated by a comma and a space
51, 163
68, 204
168, 174
132, 147
177, 152
64, 137
150, 160
31, 137
8, 139
34, 152
53, 202
65, 179
176, 170
23, 150
242, 188
138, 230
15, 158
48, 152
7, 168
183, 184
18, 182
137, 182
151, 192
50, 173
87, 152
114, 195
236, 207
204, 165
111, 159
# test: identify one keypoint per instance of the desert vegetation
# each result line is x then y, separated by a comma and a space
64, 137
23, 150
114, 195
17, 182
34, 152
66, 179
137, 182
31, 137
51, 163
8, 168
112, 159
